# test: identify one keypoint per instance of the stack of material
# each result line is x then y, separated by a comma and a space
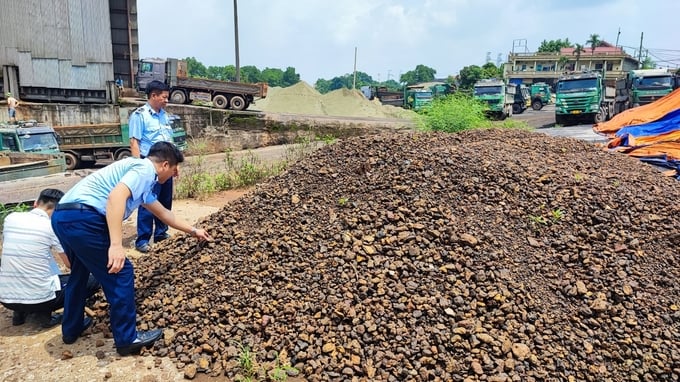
487, 255
650, 132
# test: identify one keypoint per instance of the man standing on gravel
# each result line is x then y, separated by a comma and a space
30, 279
89, 224
150, 124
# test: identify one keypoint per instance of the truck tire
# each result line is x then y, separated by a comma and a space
122, 154
560, 120
537, 104
238, 103
600, 116
517, 108
72, 161
220, 101
178, 96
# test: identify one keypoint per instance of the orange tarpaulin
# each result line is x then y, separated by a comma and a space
641, 114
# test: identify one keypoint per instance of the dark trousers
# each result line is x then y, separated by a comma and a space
146, 220
84, 236
57, 302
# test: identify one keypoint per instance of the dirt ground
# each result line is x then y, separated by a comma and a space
31, 353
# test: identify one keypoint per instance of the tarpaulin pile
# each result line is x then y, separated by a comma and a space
650, 132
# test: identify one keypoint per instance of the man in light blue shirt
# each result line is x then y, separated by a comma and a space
89, 224
150, 124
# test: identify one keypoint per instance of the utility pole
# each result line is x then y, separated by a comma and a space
640, 51
617, 37
354, 82
238, 66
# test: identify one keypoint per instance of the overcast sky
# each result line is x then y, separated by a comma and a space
318, 37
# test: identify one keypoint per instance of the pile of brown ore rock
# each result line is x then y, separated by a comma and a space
487, 255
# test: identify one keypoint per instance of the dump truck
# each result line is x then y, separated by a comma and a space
414, 97
184, 89
522, 98
29, 149
84, 145
540, 95
648, 85
585, 97
28, 137
499, 97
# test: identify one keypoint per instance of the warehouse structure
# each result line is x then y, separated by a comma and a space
67, 50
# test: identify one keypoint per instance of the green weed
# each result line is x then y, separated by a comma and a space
250, 370
6, 210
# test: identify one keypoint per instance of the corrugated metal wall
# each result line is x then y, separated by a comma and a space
64, 44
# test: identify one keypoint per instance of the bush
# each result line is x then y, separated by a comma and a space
456, 112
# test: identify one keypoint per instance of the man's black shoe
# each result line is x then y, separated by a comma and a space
87, 322
48, 320
158, 239
144, 339
18, 318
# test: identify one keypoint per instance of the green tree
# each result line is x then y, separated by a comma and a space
272, 76
577, 51
554, 46
420, 74
250, 74
195, 68
594, 42
490, 70
469, 75
562, 62
322, 86
648, 63
290, 77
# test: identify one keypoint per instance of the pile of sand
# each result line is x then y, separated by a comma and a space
302, 98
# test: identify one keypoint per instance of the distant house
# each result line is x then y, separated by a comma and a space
528, 68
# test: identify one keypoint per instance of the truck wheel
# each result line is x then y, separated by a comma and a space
178, 96
122, 154
560, 120
601, 116
220, 101
537, 104
516, 108
72, 161
238, 103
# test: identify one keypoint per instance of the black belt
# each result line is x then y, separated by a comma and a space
74, 206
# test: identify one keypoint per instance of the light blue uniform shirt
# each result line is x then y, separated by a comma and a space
149, 127
139, 175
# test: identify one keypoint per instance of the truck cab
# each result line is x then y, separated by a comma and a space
150, 69
540, 95
497, 95
648, 85
580, 96
29, 137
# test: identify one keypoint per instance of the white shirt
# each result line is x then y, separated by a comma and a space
29, 273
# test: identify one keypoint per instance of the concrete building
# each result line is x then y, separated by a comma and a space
67, 50
528, 68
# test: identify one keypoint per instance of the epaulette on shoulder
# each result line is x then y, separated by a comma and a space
139, 110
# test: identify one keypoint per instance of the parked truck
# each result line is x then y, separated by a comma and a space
183, 89
29, 149
414, 98
540, 95
84, 145
585, 97
522, 98
648, 85
499, 97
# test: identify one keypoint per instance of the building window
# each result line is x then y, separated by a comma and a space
610, 66
598, 66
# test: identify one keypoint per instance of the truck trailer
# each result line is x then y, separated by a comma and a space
184, 89
84, 145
